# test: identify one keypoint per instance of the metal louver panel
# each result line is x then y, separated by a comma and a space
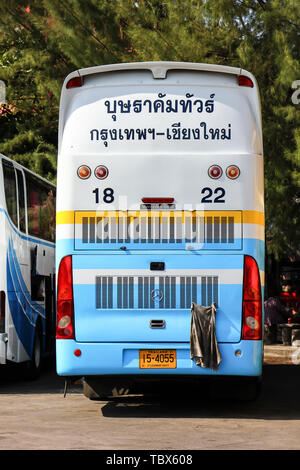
155, 292
158, 229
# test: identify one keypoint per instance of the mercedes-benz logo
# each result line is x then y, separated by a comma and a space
157, 295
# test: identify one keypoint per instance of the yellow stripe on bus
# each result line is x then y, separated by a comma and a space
253, 217
65, 217
249, 217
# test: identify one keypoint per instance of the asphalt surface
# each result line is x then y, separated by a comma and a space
36, 415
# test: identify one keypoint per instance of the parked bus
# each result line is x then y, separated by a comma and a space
160, 204
27, 250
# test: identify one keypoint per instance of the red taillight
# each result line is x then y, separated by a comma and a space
101, 172
215, 171
75, 82
245, 81
252, 303
65, 307
158, 200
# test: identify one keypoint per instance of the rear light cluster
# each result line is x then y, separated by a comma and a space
75, 82
232, 172
84, 172
252, 302
245, 81
65, 305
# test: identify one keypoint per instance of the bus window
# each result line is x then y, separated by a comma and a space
21, 199
40, 207
10, 191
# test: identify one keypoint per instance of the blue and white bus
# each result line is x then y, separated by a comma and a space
27, 273
160, 203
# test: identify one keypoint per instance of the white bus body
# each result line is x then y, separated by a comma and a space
160, 204
27, 251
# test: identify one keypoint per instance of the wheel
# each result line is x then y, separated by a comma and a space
34, 366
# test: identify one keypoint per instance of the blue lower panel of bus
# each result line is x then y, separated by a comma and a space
118, 298
24, 311
243, 358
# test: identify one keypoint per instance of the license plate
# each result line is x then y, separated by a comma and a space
158, 359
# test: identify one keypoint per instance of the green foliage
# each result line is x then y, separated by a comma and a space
42, 41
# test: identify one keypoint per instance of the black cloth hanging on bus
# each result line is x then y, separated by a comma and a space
203, 341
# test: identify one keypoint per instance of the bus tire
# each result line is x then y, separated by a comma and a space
34, 366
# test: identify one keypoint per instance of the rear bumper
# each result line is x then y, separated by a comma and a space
123, 358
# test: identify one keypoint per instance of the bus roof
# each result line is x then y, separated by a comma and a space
88, 88
159, 69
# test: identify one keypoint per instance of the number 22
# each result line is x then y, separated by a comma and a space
209, 192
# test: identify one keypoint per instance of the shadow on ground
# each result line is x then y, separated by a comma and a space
279, 398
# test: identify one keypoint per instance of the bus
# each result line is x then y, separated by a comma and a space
160, 206
27, 273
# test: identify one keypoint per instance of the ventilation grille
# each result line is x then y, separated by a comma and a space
158, 229
153, 292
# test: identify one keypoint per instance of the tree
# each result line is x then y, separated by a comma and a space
42, 41
28, 124
259, 36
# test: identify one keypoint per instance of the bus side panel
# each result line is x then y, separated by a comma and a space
22, 312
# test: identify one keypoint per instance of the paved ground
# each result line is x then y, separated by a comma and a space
35, 415
279, 354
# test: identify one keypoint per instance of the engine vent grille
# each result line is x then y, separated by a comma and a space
153, 292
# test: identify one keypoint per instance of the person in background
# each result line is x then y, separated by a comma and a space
290, 298
275, 313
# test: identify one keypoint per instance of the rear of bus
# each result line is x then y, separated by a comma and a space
159, 204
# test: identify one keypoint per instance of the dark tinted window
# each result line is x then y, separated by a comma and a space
22, 213
40, 208
10, 191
